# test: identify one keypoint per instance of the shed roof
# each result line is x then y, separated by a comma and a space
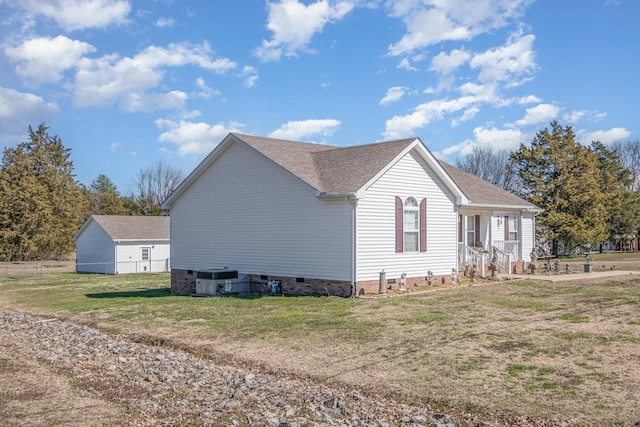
127, 227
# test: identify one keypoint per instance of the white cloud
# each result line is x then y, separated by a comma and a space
444, 63
294, 24
393, 94
539, 114
43, 59
205, 91
18, 109
423, 114
194, 138
574, 116
115, 146
406, 65
604, 136
111, 79
134, 102
496, 139
251, 76
79, 14
469, 114
507, 62
165, 22
530, 99
432, 21
297, 130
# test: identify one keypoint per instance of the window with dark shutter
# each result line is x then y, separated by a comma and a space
506, 228
423, 225
399, 223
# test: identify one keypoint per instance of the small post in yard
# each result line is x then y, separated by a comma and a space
382, 286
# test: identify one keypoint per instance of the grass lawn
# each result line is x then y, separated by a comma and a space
526, 348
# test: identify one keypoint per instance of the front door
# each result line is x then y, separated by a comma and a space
145, 259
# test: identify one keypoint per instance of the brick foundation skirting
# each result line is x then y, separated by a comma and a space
298, 286
183, 282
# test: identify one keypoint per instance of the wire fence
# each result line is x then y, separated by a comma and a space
40, 270
125, 267
33, 270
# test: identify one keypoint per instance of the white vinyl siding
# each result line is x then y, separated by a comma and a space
247, 213
410, 176
95, 251
527, 236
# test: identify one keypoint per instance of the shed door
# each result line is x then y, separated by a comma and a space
145, 259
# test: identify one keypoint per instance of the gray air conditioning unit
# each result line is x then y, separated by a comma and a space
218, 282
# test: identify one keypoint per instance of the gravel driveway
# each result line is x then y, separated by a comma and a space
157, 386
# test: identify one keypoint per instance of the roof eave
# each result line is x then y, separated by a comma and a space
141, 240
528, 208
328, 196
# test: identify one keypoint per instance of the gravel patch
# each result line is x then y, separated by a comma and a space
163, 387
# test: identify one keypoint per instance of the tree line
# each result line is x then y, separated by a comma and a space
589, 193
42, 205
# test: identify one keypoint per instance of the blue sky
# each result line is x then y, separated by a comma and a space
126, 83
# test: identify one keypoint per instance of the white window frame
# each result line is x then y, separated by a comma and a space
513, 228
146, 251
411, 225
470, 230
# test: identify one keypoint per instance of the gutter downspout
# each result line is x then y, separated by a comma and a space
354, 203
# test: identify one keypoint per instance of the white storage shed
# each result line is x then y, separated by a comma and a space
118, 244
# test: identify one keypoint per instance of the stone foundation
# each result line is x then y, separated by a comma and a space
183, 282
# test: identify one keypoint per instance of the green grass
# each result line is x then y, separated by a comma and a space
573, 318
464, 345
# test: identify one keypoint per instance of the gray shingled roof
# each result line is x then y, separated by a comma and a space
329, 169
123, 227
481, 192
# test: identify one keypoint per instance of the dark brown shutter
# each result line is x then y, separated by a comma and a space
477, 236
460, 228
423, 225
506, 228
399, 225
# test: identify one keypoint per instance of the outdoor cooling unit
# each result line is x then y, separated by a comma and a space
218, 282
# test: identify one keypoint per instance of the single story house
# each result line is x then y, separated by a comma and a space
315, 219
117, 244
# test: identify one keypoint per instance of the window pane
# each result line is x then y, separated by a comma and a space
410, 220
411, 242
513, 228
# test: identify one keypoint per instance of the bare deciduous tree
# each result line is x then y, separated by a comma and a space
154, 184
495, 167
629, 154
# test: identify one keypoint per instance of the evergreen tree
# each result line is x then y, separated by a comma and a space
42, 206
564, 178
104, 198
624, 224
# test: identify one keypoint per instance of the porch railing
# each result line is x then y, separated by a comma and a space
504, 261
510, 247
470, 255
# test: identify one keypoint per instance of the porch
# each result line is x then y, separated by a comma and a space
507, 252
